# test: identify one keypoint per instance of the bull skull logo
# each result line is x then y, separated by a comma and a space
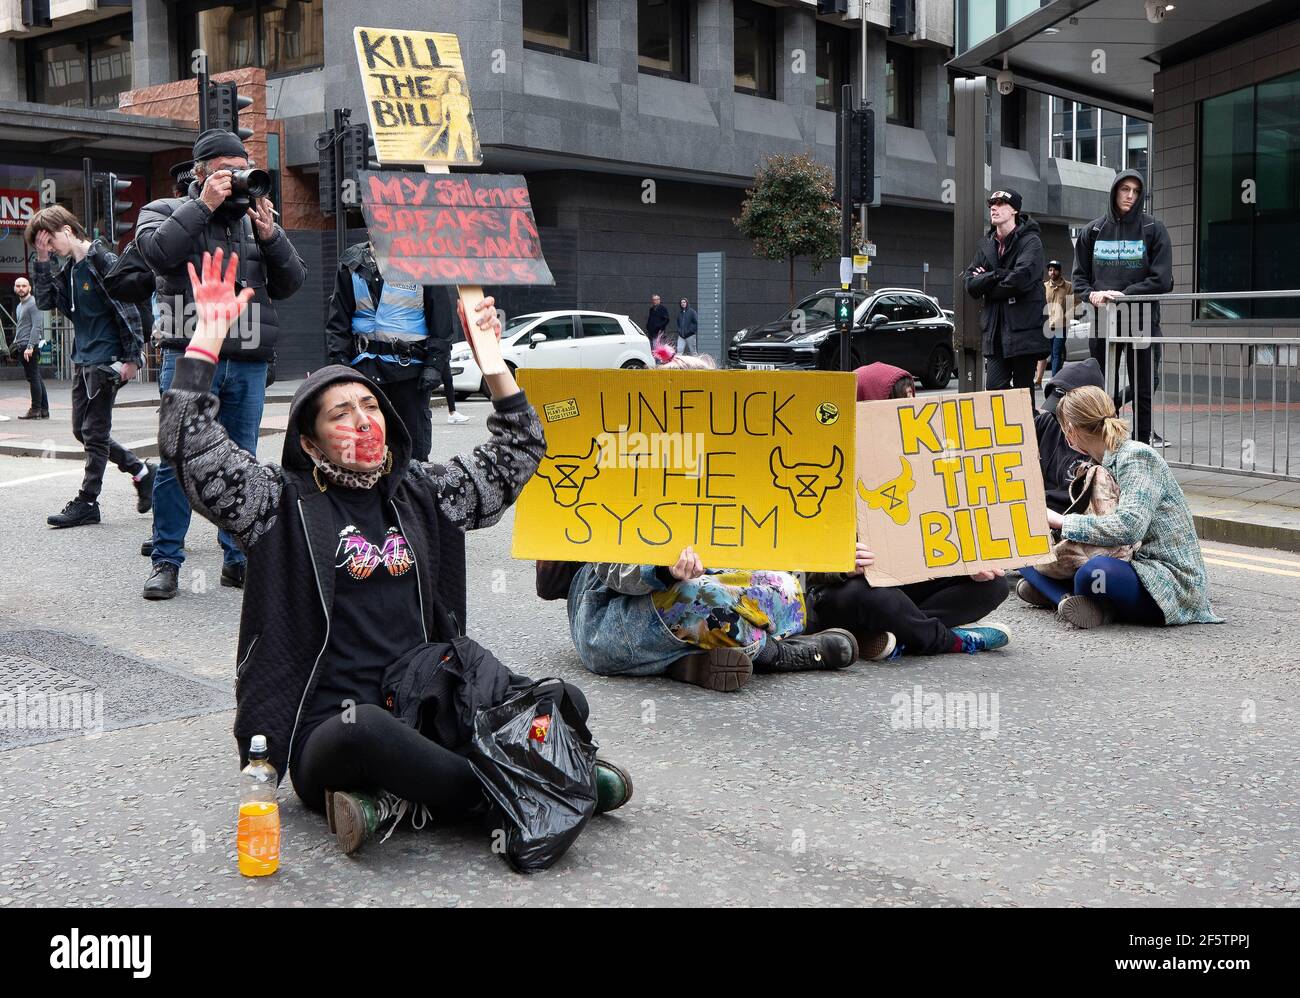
807, 482
891, 497
568, 473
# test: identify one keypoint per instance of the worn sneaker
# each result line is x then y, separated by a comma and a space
723, 670
1085, 612
1032, 596
75, 514
878, 646
354, 817
613, 786
983, 637
457, 417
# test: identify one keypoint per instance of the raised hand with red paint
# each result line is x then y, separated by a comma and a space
216, 303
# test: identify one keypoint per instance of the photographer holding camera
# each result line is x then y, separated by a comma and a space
226, 208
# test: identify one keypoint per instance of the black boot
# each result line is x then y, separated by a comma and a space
75, 514
32, 413
233, 575
162, 583
144, 488
829, 649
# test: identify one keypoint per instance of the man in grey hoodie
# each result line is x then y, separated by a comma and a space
28, 335
1126, 252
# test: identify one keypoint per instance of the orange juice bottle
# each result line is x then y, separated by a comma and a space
258, 838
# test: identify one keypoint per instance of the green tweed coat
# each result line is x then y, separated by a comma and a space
1152, 510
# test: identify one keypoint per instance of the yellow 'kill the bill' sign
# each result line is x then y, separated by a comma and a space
753, 470
417, 97
950, 485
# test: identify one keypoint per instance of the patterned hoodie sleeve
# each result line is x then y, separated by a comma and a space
475, 489
224, 482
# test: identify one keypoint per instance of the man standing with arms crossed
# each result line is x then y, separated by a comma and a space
107, 350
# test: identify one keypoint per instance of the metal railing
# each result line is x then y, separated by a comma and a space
59, 333
1228, 403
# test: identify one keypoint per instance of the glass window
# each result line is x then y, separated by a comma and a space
1247, 244
814, 307
1085, 134
228, 35
832, 65
1112, 140
293, 35
898, 84
555, 329
556, 26
110, 69
755, 48
61, 75
592, 326
1137, 140
979, 19
663, 37
893, 308
280, 36
1062, 128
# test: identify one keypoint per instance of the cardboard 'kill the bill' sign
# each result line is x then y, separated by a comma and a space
455, 228
949, 485
417, 97
752, 470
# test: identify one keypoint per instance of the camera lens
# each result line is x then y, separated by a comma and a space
254, 183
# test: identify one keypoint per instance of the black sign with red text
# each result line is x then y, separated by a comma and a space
461, 228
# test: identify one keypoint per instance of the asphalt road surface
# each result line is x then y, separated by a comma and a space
1124, 766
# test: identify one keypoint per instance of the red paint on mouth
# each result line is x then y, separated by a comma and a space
359, 447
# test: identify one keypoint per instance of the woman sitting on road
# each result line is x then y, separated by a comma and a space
356, 556
1166, 582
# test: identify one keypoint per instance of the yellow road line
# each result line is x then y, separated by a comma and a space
1290, 563
1252, 568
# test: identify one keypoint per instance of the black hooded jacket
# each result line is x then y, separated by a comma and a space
281, 519
174, 232
1011, 287
1129, 253
1056, 458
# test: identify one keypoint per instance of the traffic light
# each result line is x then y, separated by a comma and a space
862, 156
827, 7
224, 105
357, 148
328, 180
844, 310
109, 208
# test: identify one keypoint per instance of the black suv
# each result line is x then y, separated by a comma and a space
898, 326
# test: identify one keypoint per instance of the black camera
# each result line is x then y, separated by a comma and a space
250, 183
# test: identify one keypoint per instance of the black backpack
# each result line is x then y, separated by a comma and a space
130, 279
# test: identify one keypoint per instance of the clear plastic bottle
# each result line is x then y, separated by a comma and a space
258, 836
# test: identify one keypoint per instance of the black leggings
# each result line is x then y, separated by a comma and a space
920, 615
375, 751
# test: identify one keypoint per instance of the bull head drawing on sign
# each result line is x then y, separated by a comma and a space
568, 473
806, 481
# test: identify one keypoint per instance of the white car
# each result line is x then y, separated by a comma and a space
558, 339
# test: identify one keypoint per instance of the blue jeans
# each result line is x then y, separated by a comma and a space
1058, 354
241, 387
1103, 578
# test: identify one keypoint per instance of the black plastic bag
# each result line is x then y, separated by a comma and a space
541, 774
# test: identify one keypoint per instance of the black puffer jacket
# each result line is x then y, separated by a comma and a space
1011, 288
283, 521
174, 232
